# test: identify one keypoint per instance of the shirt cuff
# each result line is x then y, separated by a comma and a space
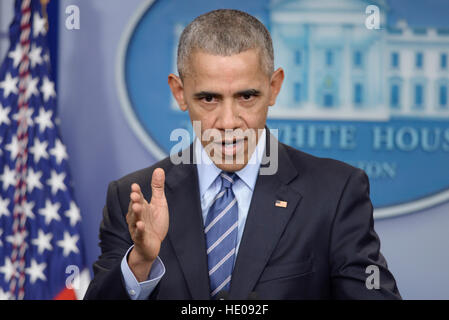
141, 290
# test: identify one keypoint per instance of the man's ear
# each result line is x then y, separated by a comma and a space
177, 89
276, 83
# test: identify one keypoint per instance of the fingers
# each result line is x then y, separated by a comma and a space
136, 203
137, 199
157, 184
136, 194
135, 211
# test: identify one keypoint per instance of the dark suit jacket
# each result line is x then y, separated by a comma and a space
318, 247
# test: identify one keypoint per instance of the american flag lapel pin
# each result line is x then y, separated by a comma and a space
282, 204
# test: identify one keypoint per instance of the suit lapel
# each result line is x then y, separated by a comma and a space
186, 227
265, 223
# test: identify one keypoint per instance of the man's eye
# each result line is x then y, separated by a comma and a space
208, 98
247, 96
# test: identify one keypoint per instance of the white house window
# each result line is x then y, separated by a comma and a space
443, 95
357, 59
395, 96
395, 90
328, 99
298, 57
419, 60
418, 96
358, 94
297, 92
329, 58
443, 61
395, 60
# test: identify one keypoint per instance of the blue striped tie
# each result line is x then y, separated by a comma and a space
221, 235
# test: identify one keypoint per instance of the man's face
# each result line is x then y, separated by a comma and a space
227, 93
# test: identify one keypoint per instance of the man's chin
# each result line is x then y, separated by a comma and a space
230, 167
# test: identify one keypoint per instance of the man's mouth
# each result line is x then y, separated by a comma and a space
231, 147
231, 142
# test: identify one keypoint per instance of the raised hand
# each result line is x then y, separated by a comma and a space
147, 224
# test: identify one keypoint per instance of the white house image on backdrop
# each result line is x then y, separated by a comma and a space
338, 69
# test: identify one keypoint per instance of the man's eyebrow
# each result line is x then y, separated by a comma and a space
249, 92
203, 94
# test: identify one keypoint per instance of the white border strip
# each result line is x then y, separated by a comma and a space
124, 100
405, 208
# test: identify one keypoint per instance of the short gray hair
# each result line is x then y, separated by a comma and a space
225, 32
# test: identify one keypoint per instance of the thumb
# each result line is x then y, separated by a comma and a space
157, 184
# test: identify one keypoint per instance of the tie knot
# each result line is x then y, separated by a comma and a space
228, 178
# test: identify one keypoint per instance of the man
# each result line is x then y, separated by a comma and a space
215, 226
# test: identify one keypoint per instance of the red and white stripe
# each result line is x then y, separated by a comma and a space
19, 216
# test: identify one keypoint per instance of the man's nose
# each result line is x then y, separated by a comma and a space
229, 116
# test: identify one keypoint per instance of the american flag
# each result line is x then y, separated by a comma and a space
41, 251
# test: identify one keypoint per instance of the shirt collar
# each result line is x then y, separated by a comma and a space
208, 171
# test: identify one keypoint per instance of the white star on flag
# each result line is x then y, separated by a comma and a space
46, 57
9, 85
31, 88
50, 211
39, 25
39, 150
59, 151
35, 55
4, 115
1, 243
28, 208
16, 55
36, 271
8, 269
5, 295
13, 147
26, 114
68, 244
44, 119
48, 89
18, 238
56, 182
73, 214
4, 203
43, 241
34, 180
8, 177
